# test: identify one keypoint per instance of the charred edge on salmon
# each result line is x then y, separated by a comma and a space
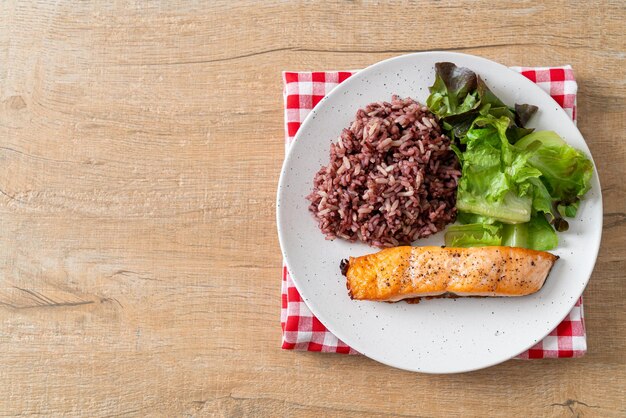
349, 289
343, 266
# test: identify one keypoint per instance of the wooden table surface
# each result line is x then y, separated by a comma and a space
140, 148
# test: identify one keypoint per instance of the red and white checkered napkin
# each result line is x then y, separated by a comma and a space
302, 330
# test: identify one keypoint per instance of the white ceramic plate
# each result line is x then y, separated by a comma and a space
439, 335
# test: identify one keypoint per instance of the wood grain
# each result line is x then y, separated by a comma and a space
140, 148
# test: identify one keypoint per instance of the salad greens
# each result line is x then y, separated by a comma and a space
516, 185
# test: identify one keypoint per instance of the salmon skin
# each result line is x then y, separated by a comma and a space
399, 273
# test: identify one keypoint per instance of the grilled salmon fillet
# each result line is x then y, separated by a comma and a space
411, 272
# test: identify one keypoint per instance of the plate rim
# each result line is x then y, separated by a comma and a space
336, 91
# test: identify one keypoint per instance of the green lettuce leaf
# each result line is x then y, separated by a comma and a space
542, 200
473, 235
515, 235
490, 104
541, 235
515, 133
458, 125
472, 218
568, 210
453, 91
458, 96
494, 179
517, 186
537, 234
511, 209
565, 171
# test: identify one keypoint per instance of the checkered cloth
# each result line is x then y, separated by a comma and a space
302, 330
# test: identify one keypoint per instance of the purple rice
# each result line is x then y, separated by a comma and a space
392, 177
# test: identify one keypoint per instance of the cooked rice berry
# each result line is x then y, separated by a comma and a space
392, 177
